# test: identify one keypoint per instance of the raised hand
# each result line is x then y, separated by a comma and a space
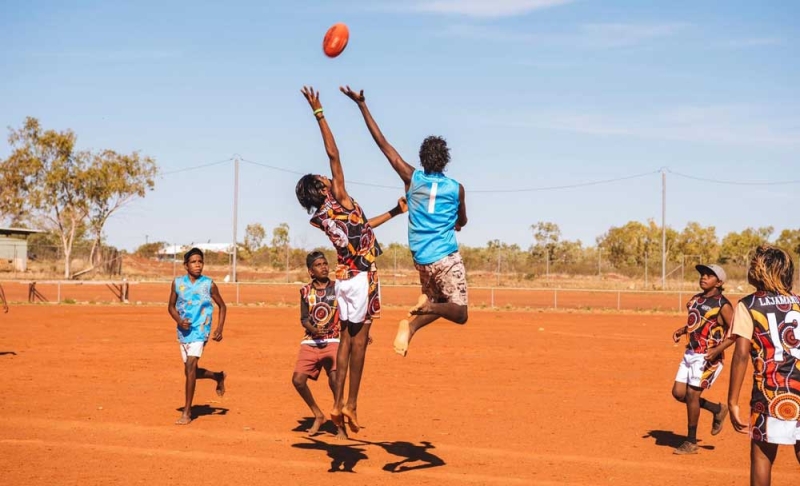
402, 203
357, 97
312, 97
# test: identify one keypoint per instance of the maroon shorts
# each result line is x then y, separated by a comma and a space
311, 359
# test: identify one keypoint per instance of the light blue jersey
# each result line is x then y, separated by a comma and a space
194, 303
432, 214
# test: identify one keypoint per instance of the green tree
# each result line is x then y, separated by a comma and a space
698, 241
254, 235
737, 247
149, 250
628, 244
280, 245
546, 236
789, 240
43, 183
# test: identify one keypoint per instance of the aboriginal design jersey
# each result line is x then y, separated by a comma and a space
319, 306
351, 234
776, 354
194, 303
704, 327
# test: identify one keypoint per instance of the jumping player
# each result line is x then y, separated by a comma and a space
709, 317
436, 210
191, 305
3, 298
765, 325
357, 286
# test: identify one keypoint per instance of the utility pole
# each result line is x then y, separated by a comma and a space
235, 214
663, 229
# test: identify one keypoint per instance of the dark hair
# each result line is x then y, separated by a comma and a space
772, 270
434, 154
312, 257
309, 192
193, 251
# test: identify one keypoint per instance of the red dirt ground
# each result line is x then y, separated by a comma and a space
90, 394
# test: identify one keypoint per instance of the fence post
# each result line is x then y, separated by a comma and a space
237, 293
58, 294
680, 300
618, 298
555, 298
492, 288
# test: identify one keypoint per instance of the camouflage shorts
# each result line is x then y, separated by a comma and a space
444, 280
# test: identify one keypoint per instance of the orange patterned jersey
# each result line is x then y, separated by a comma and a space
704, 326
351, 234
320, 309
776, 354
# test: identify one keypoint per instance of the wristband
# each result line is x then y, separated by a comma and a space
317, 111
395, 211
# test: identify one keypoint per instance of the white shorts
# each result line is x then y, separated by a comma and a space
353, 297
771, 430
695, 371
192, 349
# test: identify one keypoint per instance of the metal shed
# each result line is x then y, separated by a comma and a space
14, 246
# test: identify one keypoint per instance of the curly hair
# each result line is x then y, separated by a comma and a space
309, 191
434, 154
190, 253
771, 270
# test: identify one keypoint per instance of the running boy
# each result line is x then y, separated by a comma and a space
191, 305
357, 287
319, 316
765, 325
709, 317
436, 210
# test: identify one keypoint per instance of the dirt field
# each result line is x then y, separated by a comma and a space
90, 394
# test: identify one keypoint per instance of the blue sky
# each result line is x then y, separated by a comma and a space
529, 94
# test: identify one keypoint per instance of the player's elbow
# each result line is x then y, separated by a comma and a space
462, 316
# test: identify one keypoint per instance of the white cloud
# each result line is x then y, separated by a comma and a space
737, 125
587, 36
751, 42
485, 8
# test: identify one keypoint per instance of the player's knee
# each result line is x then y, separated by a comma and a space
679, 396
462, 316
299, 381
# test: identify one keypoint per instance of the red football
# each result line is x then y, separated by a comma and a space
335, 40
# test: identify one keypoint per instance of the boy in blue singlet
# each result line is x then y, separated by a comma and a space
436, 210
191, 305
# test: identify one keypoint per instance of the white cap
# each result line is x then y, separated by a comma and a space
715, 269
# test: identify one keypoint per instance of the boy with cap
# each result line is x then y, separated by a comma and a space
706, 328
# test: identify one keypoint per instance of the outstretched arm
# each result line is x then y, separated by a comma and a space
223, 310
738, 369
402, 207
337, 173
403, 169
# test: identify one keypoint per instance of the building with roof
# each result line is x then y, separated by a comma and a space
14, 246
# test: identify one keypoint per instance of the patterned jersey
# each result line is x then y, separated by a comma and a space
433, 201
704, 327
351, 234
321, 310
775, 353
194, 303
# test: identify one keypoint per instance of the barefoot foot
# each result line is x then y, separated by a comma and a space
422, 302
184, 420
221, 383
338, 419
314, 429
352, 420
341, 434
401, 340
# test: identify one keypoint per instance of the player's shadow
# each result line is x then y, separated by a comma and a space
414, 456
343, 457
202, 410
667, 438
307, 422
12, 353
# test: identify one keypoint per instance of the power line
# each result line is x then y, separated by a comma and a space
734, 183
202, 166
281, 169
568, 186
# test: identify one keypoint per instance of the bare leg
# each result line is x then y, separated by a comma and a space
679, 391
762, 455
342, 364
452, 312
340, 433
406, 330
359, 337
300, 382
190, 371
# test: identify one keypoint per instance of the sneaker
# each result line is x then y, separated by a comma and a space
719, 419
686, 448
